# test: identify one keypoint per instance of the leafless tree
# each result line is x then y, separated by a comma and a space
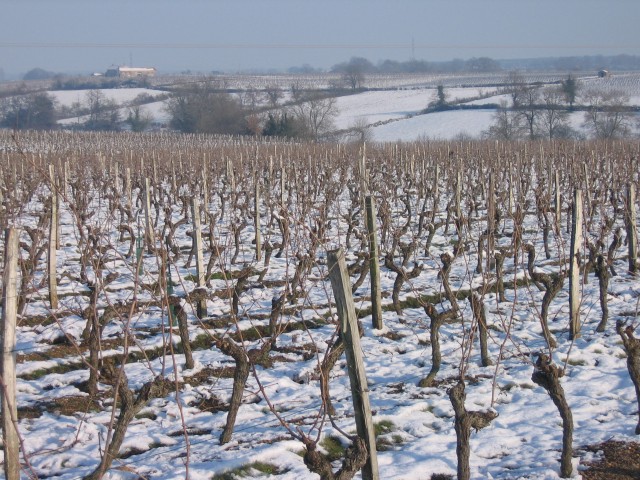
516, 88
317, 112
103, 112
607, 116
206, 108
528, 109
554, 119
353, 72
508, 125
274, 95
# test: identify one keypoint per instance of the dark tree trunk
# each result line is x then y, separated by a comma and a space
602, 272
464, 422
328, 362
545, 238
552, 285
500, 277
129, 408
243, 360
477, 306
240, 376
632, 348
355, 458
548, 376
401, 276
481, 240
437, 319
183, 327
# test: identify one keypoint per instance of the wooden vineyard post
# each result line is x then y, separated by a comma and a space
458, 195
574, 267
8, 366
205, 194
65, 185
341, 287
55, 195
436, 193
155, 170
374, 264
558, 202
52, 261
148, 227
256, 211
127, 187
283, 181
174, 182
632, 231
491, 223
231, 177
200, 266
116, 178
511, 206
587, 187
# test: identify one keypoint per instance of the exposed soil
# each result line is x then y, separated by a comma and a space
621, 461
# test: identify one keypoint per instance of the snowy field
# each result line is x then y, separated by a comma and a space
67, 98
380, 106
64, 432
435, 126
395, 114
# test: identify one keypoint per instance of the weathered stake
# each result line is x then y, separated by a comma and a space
557, 202
339, 278
201, 268
8, 366
53, 244
256, 211
574, 267
148, 227
632, 230
374, 264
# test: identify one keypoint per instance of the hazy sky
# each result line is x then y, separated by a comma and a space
205, 35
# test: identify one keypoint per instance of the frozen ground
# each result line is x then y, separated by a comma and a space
522, 443
393, 115
67, 98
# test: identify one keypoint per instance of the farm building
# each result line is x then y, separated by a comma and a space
130, 72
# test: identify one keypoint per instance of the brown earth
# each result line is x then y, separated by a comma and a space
621, 461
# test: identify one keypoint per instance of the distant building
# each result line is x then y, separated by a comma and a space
130, 72
603, 73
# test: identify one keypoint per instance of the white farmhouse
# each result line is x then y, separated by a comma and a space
130, 72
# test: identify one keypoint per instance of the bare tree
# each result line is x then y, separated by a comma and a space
528, 109
507, 124
554, 119
138, 119
360, 131
274, 95
608, 115
569, 88
516, 87
353, 71
317, 112
206, 108
103, 112
35, 111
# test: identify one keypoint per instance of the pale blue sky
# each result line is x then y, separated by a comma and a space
205, 35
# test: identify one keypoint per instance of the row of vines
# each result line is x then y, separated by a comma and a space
173, 297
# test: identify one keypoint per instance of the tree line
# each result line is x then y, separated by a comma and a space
529, 111
544, 111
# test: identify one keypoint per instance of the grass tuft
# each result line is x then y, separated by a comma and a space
334, 450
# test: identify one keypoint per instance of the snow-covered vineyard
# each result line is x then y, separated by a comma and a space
474, 252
